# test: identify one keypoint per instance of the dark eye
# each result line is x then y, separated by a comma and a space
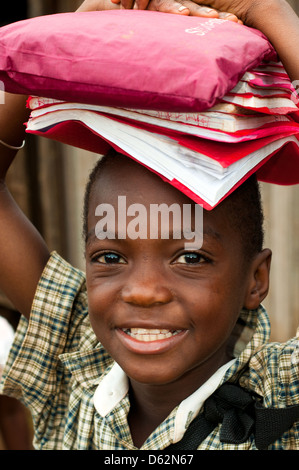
110, 258
190, 258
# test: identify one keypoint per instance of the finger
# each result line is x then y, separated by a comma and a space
228, 16
199, 10
168, 6
127, 4
202, 11
141, 4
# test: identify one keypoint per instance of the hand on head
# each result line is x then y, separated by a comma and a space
184, 7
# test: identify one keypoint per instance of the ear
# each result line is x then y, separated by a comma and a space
258, 286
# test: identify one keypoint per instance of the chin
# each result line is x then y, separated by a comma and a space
154, 376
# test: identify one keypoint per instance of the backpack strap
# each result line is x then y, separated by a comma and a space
241, 414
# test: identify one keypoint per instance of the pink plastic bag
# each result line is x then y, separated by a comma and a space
129, 58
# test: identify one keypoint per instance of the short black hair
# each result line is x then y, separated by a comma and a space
245, 215
245, 211
93, 176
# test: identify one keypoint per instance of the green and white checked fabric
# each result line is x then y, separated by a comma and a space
56, 364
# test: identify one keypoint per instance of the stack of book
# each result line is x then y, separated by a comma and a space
253, 128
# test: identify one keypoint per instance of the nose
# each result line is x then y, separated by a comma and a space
146, 288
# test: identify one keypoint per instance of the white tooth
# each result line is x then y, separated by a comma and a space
148, 331
142, 338
134, 331
144, 334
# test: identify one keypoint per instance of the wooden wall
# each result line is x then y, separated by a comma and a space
56, 176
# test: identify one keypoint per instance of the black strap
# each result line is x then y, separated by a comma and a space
241, 414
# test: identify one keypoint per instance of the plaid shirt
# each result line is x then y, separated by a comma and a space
56, 365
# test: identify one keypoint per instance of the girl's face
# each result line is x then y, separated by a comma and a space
165, 313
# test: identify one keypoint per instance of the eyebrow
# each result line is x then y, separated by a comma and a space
212, 233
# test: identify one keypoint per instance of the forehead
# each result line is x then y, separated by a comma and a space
122, 176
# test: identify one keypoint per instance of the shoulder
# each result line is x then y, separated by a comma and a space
273, 372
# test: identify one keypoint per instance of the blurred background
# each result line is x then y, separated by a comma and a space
48, 180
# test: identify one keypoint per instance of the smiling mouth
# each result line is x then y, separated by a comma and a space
146, 335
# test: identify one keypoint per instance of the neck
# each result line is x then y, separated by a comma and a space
151, 403
149, 406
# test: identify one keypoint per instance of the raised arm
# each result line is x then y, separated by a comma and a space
23, 253
281, 26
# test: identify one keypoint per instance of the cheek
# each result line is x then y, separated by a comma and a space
216, 308
100, 306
